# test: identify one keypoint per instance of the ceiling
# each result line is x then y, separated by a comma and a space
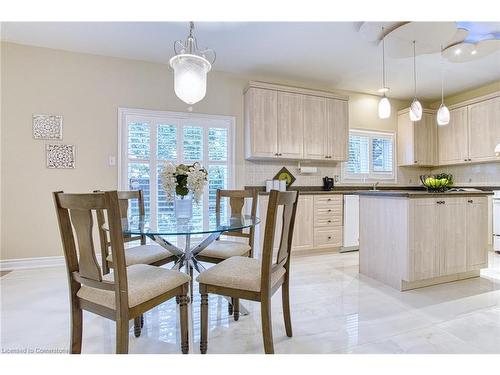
333, 54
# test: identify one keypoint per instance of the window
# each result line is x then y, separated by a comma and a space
371, 157
148, 139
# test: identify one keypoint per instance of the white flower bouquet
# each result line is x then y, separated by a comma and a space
183, 179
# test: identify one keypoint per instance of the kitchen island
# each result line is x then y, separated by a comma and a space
413, 239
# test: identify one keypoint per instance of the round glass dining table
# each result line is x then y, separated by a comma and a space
162, 228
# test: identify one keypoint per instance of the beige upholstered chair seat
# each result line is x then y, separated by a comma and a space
143, 254
144, 283
224, 249
238, 273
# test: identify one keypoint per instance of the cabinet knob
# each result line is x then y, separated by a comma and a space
470, 201
466, 159
329, 221
329, 210
415, 162
470, 159
329, 237
329, 199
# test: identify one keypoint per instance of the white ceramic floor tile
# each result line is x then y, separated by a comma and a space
334, 310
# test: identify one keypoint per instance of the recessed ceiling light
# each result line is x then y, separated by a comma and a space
458, 51
383, 89
473, 52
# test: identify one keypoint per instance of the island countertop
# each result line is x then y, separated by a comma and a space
421, 193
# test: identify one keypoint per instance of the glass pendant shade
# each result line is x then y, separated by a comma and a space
384, 108
415, 110
443, 115
190, 77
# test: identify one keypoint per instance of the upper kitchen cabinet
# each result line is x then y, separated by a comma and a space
261, 122
417, 141
338, 129
473, 132
484, 129
290, 125
316, 127
452, 138
293, 123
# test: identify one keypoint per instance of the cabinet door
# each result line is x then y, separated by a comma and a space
303, 234
477, 233
315, 128
484, 129
406, 153
424, 250
290, 125
452, 237
425, 140
452, 138
338, 129
261, 124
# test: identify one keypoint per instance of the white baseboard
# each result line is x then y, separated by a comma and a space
25, 263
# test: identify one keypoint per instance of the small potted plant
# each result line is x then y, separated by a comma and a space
183, 184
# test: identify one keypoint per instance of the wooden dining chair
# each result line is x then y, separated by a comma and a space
256, 280
124, 294
152, 254
223, 249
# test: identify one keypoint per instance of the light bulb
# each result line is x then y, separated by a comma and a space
190, 77
384, 108
415, 110
443, 115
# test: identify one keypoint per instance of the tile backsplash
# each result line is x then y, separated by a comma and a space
257, 172
487, 174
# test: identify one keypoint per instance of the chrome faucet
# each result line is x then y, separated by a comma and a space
375, 186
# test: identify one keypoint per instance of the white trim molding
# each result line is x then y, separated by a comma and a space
26, 263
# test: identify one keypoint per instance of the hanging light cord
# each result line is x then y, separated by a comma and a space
414, 70
383, 60
442, 77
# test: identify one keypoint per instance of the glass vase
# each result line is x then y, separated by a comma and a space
183, 207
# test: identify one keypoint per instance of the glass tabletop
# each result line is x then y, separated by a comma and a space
169, 225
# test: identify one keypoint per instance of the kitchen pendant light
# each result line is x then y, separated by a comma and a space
384, 106
443, 114
191, 65
415, 107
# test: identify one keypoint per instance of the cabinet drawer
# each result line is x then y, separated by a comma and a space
328, 220
328, 200
331, 237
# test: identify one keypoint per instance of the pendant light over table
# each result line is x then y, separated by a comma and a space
415, 107
191, 65
384, 106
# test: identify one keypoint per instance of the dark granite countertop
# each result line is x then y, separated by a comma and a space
421, 194
381, 190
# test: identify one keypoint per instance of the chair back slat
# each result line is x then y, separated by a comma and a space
288, 202
83, 224
236, 204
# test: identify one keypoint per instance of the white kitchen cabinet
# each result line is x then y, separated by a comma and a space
453, 138
290, 125
338, 129
417, 141
284, 122
261, 122
318, 223
477, 233
303, 234
315, 126
410, 240
484, 130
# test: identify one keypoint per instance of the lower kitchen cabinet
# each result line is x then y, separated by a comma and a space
413, 241
448, 236
318, 223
